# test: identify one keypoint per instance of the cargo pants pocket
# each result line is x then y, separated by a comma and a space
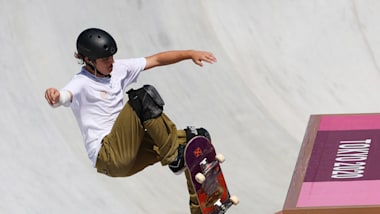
102, 160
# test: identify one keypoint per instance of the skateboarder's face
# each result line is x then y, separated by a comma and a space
104, 65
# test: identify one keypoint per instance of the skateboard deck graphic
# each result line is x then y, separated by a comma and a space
207, 176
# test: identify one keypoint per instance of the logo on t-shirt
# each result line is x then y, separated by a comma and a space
103, 94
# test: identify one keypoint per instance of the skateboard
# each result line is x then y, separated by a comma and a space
207, 177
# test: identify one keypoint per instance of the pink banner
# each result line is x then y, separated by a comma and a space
350, 122
344, 167
346, 193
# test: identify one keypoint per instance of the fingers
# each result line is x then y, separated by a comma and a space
204, 56
198, 62
52, 96
48, 96
210, 58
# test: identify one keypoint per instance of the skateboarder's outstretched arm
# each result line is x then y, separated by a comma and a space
171, 57
55, 97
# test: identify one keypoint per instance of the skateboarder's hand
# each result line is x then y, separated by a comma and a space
52, 96
199, 56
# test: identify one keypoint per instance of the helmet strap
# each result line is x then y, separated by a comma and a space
93, 68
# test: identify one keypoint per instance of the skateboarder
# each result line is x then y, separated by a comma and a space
123, 139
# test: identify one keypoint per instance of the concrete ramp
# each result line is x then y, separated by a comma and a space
278, 62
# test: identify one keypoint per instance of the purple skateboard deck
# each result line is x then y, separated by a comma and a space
213, 195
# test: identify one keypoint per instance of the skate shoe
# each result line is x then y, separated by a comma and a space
178, 165
191, 132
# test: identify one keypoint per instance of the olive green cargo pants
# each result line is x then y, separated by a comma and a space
130, 147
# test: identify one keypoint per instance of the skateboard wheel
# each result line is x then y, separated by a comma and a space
200, 178
219, 157
234, 200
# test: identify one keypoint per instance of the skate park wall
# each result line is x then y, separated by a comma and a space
278, 63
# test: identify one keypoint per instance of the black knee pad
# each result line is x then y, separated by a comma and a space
146, 102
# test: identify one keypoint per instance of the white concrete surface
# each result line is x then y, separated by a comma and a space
278, 62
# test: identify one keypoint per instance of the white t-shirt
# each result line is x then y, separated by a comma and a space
97, 101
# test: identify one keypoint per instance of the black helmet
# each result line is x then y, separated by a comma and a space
96, 43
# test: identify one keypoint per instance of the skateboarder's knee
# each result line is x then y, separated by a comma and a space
119, 169
146, 102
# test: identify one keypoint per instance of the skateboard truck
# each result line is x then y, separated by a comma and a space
206, 167
220, 207
223, 207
